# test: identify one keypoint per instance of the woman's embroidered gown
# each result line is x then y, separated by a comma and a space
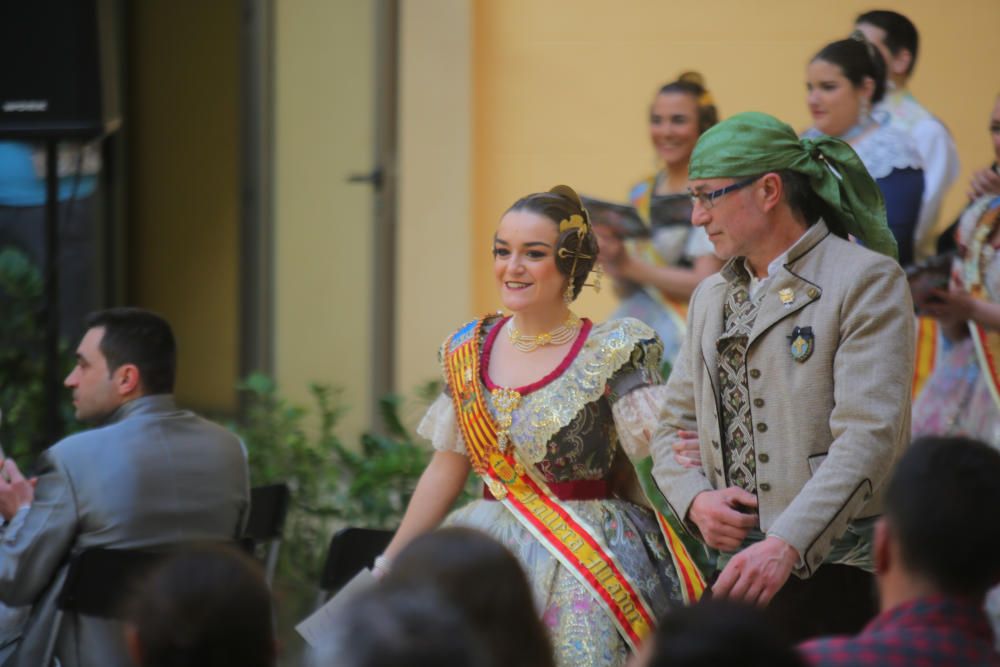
584, 421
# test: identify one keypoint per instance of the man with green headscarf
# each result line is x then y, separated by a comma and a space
796, 374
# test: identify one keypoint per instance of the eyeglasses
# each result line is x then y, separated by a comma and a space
707, 199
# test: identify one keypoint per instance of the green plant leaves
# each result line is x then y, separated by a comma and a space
22, 364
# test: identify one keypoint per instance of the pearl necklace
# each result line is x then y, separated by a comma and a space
563, 333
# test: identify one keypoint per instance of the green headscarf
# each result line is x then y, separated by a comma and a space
753, 143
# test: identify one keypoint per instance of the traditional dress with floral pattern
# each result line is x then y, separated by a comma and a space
579, 426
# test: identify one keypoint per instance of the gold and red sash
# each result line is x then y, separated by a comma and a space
692, 581
567, 537
987, 343
690, 557
926, 353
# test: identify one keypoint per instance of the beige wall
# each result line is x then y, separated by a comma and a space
435, 125
324, 130
183, 133
322, 226
562, 87
499, 98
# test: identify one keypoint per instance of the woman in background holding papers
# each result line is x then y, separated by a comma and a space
549, 409
655, 277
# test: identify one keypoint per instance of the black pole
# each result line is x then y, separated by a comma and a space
385, 184
50, 310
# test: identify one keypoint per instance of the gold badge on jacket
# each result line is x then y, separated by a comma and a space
787, 297
801, 341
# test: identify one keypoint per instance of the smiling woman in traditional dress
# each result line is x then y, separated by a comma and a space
655, 277
548, 409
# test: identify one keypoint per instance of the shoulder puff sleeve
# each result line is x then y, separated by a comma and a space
636, 416
635, 392
439, 426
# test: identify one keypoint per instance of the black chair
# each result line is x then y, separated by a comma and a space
266, 523
98, 582
351, 550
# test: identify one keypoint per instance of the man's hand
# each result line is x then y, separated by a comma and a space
724, 517
687, 451
15, 490
758, 572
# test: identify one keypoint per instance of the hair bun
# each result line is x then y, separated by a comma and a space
873, 53
692, 77
567, 192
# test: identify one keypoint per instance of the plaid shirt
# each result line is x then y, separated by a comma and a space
931, 632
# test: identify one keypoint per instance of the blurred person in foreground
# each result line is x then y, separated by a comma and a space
716, 633
898, 41
936, 552
796, 374
483, 580
147, 475
408, 626
207, 606
844, 79
656, 276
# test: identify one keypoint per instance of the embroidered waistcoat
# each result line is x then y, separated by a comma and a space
739, 311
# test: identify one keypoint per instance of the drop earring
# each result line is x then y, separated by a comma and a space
598, 274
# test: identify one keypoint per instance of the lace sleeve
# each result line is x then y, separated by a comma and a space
439, 426
641, 370
636, 415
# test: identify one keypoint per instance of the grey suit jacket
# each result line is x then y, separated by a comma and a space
152, 476
827, 430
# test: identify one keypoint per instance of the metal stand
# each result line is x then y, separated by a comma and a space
50, 311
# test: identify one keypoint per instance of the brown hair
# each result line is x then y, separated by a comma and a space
206, 606
858, 59
693, 84
485, 581
575, 252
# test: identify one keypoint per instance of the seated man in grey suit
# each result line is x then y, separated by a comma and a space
148, 475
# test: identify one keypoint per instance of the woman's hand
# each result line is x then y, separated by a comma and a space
611, 249
687, 451
950, 308
984, 182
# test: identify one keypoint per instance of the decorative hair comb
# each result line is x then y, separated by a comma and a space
859, 36
576, 222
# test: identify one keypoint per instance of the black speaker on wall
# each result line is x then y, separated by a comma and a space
58, 66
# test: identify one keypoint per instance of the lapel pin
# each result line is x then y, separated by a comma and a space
801, 342
787, 296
